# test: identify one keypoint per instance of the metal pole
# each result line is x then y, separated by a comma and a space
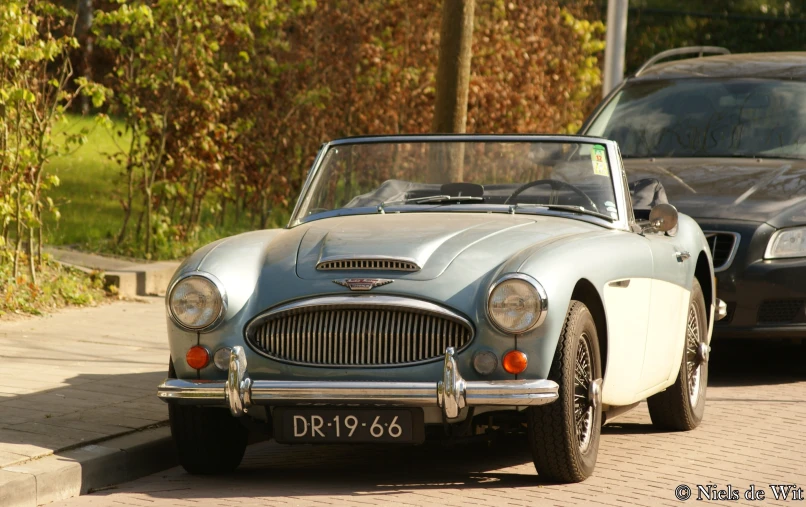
616, 42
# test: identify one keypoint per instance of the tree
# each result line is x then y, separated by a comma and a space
84, 36
453, 69
453, 76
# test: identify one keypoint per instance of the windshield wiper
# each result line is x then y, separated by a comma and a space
433, 199
561, 207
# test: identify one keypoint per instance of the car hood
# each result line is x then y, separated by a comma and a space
432, 241
760, 190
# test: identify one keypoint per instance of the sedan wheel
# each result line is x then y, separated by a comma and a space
682, 405
564, 435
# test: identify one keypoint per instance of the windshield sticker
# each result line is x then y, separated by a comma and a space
599, 161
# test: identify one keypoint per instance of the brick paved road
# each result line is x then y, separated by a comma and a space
80, 375
754, 433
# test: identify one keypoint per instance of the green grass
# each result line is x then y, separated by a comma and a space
89, 200
90, 190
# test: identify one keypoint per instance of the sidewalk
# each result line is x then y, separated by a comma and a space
69, 383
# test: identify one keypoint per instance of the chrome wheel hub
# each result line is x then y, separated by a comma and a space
586, 393
696, 355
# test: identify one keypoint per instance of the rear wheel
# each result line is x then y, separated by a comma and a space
682, 405
207, 440
564, 435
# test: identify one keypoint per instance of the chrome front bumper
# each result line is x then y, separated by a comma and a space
452, 393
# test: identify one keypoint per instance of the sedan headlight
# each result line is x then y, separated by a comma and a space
517, 303
787, 243
197, 302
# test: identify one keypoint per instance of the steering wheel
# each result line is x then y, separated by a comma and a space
555, 185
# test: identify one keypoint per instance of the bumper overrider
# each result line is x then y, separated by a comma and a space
451, 394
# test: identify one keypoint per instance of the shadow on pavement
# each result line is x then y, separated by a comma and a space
272, 470
756, 362
86, 409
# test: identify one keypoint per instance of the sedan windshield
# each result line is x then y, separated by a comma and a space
373, 177
707, 118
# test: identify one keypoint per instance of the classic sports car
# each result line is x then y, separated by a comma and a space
726, 137
444, 286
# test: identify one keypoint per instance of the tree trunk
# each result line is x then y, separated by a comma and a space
31, 266
453, 70
85, 38
453, 79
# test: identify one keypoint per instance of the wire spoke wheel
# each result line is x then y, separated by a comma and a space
680, 407
564, 435
693, 361
583, 408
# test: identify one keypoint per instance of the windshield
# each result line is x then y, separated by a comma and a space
707, 118
429, 175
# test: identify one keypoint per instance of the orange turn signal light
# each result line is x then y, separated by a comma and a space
515, 362
197, 357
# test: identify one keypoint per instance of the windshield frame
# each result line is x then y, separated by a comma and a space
624, 222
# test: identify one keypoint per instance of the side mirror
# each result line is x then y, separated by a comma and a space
663, 218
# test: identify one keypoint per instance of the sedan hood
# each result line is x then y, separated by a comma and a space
429, 241
760, 190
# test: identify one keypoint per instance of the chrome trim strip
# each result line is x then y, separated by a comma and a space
222, 291
541, 292
377, 302
452, 393
735, 248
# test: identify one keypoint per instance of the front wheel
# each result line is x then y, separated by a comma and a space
682, 405
564, 435
207, 440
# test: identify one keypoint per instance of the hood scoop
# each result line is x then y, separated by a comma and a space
367, 263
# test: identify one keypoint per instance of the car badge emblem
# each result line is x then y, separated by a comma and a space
362, 283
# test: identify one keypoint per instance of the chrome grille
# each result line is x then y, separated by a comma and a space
358, 331
369, 263
723, 248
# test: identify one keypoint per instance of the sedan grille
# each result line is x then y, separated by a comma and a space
779, 311
358, 332
723, 248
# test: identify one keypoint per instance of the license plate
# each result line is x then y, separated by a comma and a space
294, 425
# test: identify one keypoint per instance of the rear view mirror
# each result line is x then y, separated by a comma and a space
663, 218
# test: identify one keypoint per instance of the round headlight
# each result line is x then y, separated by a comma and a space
196, 302
517, 303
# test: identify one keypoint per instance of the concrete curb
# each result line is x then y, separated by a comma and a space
79, 471
131, 278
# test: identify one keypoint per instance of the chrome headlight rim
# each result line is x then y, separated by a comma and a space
222, 295
541, 293
768, 252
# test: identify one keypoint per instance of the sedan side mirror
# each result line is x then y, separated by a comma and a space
663, 218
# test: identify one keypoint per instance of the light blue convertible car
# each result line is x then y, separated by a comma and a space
444, 287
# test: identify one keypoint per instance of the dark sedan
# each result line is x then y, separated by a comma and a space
726, 137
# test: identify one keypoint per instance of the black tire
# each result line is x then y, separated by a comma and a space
208, 440
554, 434
675, 409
